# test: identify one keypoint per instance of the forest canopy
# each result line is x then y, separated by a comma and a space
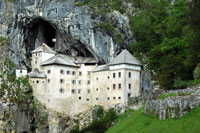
168, 41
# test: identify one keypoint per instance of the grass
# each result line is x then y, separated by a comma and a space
173, 94
141, 123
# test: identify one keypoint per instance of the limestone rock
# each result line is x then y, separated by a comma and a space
73, 27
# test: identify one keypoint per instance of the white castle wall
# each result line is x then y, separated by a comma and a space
21, 73
81, 88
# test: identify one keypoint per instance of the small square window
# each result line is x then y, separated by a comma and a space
48, 71
80, 73
97, 99
119, 97
119, 74
61, 71
113, 75
108, 77
20, 71
113, 86
73, 91
119, 86
79, 82
62, 81
61, 90
74, 82
108, 88
129, 74
97, 79
68, 72
129, 86
33, 81
113, 97
79, 91
73, 73
96, 89
88, 91
88, 82
88, 99
79, 98
108, 98
38, 81
35, 62
48, 80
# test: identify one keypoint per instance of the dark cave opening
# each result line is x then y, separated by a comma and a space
42, 31
49, 34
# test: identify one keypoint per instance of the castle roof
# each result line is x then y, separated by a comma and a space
37, 75
125, 58
59, 60
44, 48
82, 60
21, 67
101, 68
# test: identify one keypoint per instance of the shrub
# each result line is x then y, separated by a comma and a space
196, 72
101, 125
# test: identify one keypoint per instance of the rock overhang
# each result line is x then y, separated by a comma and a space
74, 29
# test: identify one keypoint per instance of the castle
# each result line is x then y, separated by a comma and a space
73, 84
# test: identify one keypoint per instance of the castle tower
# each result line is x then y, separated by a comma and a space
41, 54
126, 66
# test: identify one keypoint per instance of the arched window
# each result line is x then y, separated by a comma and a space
36, 70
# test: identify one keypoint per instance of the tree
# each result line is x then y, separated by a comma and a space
164, 41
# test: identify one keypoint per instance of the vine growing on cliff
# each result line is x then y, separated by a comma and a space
18, 92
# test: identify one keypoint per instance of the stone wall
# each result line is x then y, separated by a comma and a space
12, 119
176, 106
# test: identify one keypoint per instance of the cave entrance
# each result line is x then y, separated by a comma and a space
41, 31
49, 34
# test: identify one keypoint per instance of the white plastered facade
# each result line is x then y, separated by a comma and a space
75, 89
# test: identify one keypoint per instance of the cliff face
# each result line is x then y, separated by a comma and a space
28, 23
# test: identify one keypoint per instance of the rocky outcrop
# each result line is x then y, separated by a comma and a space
174, 106
32, 22
13, 119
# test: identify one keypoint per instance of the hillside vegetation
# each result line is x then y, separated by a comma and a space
168, 40
141, 123
167, 36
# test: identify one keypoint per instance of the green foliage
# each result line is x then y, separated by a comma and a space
2, 39
102, 124
102, 6
180, 84
18, 92
141, 123
100, 111
172, 95
165, 40
110, 29
196, 72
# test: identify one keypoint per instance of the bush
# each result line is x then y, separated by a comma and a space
196, 72
101, 125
